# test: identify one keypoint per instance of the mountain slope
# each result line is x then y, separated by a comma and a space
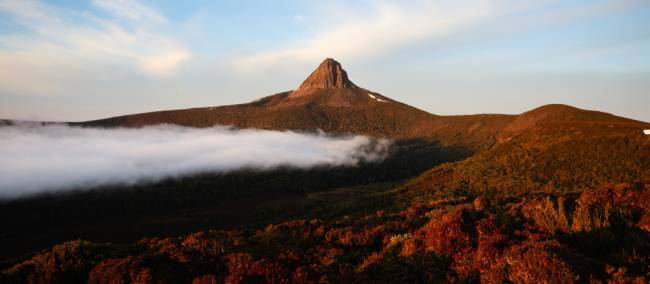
326, 100
329, 101
553, 148
568, 116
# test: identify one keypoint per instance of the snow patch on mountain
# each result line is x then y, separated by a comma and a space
376, 98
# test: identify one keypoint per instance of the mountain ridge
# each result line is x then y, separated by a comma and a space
328, 100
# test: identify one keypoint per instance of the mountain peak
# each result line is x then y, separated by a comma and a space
328, 75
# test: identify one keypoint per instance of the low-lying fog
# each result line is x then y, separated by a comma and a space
35, 158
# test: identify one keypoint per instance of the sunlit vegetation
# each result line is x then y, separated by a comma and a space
598, 235
551, 157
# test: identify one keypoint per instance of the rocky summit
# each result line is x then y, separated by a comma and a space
328, 75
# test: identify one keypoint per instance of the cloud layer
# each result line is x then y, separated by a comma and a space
50, 158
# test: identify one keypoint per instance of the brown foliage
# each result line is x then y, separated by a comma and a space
66, 262
530, 262
138, 269
597, 235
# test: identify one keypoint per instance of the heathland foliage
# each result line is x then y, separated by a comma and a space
558, 195
599, 235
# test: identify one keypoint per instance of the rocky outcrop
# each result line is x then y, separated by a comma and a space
328, 75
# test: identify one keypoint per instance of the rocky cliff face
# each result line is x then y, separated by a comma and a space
328, 75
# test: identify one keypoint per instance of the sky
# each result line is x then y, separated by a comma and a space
68, 60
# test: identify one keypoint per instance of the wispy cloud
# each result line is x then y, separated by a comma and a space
382, 27
55, 42
50, 158
130, 9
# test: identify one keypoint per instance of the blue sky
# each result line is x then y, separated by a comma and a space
80, 60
